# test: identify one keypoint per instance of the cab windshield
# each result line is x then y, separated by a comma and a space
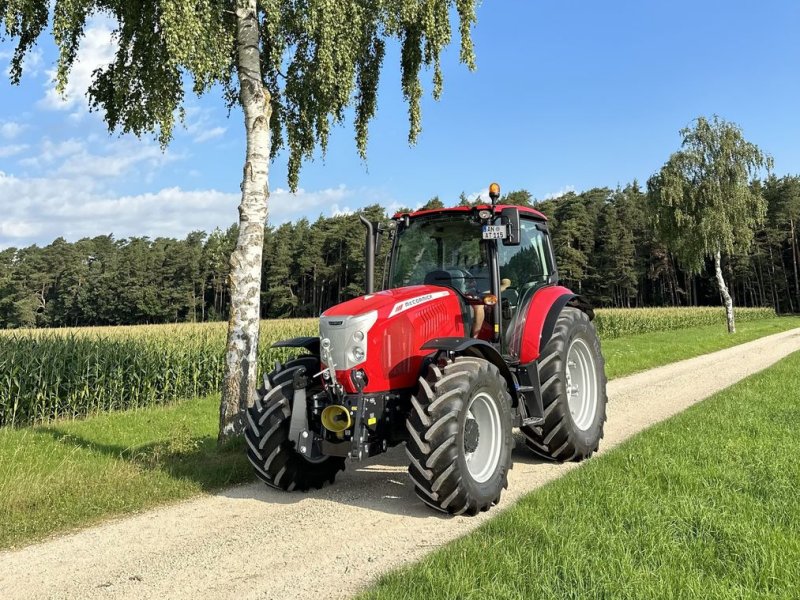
442, 250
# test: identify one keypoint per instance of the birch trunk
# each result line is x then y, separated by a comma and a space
795, 258
723, 289
241, 353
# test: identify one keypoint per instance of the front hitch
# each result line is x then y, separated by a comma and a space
359, 440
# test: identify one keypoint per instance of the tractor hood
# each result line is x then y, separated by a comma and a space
389, 303
383, 334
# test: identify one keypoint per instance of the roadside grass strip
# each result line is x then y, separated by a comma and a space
704, 505
635, 353
75, 473
69, 474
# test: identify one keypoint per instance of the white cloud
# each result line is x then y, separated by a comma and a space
563, 191
96, 50
343, 211
121, 161
482, 196
285, 205
50, 151
12, 228
11, 129
39, 209
199, 125
12, 150
209, 134
96, 158
31, 64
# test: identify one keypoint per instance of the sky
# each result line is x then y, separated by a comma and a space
567, 95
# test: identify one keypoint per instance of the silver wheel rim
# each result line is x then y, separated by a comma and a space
581, 384
483, 460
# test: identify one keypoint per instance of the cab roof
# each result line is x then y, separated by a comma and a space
523, 210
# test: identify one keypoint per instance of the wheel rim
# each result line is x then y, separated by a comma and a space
581, 384
483, 422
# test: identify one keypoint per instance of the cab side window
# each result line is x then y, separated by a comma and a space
525, 266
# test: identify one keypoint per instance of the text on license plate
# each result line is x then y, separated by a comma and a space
494, 232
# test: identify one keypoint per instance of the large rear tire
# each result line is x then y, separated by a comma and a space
461, 438
573, 382
269, 449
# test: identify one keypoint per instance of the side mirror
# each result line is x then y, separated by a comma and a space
510, 218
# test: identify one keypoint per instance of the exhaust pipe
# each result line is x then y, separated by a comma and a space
369, 255
336, 418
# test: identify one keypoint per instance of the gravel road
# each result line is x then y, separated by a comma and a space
250, 542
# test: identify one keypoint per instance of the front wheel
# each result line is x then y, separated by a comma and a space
460, 430
273, 455
573, 382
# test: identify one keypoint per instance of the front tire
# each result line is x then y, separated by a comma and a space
573, 382
461, 438
273, 455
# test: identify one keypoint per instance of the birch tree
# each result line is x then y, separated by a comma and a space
702, 201
294, 67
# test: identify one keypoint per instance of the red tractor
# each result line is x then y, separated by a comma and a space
472, 337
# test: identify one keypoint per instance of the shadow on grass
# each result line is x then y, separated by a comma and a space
197, 459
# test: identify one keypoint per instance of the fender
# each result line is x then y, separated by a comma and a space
309, 343
479, 348
543, 312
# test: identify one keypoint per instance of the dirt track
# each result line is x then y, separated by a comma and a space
250, 542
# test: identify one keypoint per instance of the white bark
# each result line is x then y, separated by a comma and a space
241, 353
723, 290
795, 259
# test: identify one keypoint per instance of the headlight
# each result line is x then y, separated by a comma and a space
358, 336
358, 353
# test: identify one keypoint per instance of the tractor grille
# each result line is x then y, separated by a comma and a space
338, 339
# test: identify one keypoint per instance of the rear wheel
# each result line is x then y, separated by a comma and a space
269, 449
573, 382
460, 442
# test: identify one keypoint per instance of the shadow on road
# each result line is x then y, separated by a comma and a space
379, 484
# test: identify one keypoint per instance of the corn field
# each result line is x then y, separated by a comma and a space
618, 322
66, 373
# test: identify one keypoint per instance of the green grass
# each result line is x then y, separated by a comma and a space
57, 477
73, 473
635, 353
705, 505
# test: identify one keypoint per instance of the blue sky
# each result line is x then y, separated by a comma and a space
567, 95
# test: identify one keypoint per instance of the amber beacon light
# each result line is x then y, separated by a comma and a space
494, 191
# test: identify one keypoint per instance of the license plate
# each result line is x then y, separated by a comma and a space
494, 232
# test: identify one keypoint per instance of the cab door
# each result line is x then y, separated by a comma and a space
523, 270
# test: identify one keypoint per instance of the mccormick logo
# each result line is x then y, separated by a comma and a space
335, 323
412, 302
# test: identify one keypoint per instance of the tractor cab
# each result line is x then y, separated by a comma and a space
494, 256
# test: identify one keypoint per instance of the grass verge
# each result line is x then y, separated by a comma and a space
74, 473
634, 353
704, 505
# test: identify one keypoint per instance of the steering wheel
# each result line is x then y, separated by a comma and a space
464, 276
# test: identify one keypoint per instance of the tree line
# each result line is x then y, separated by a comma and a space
605, 242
